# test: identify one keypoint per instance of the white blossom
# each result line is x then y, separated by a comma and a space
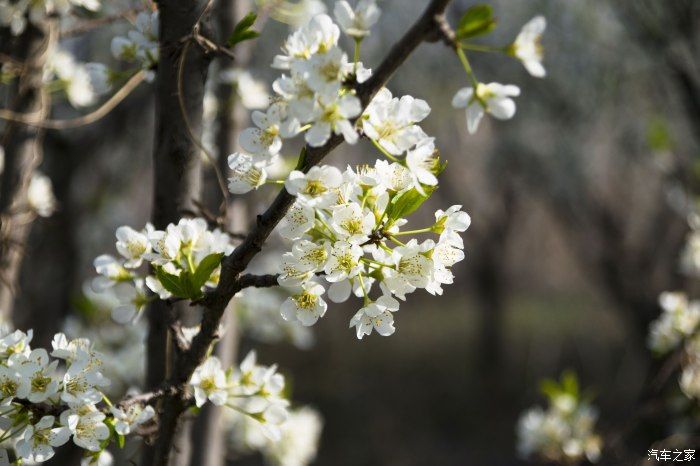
299, 219
527, 47
353, 223
333, 116
453, 219
344, 261
319, 35
305, 304
391, 121
413, 269
87, 426
40, 195
132, 299
376, 316
273, 125
209, 383
247, 175
493, 98
132, 245
316, 187
422, 163
358, 22
252, 92
127, 420
38, 440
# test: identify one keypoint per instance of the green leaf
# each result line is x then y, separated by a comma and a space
476, 21
569, 383
205, 269
407, 202
120, 440
550, 388
242, 31
171, 282
247, 21
189, 286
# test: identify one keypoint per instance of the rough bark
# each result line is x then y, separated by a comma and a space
176, 167
22, 146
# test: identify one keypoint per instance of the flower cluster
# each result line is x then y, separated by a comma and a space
141, 44
677, 327
82, 83
251, 389
15, 13
313, 98
47, 399
122, 347
297, 445
564, 432
678, 321
496, 98
346, 228
185, 256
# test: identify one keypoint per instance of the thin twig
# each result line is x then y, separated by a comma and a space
101, 112
89, 25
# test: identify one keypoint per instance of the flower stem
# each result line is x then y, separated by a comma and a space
357, 54
467, 67
384, 152
395, 240
414, 232
482, 48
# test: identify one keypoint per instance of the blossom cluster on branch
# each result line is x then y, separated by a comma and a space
51, 398
564, 433
252, 390
185, 259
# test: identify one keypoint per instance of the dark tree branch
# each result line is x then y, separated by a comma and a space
258, 281
425, 29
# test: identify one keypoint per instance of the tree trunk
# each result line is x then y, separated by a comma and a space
177, 172
23, 150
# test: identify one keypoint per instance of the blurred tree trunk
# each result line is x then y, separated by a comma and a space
52, 241
177, 178
209, 436
23, 153
489, 268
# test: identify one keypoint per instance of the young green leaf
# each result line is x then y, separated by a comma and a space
242, 31
245, 23
171, 283
205, 269
550, 388
476, 21
189, 286
407, 202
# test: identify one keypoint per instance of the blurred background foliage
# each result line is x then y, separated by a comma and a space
579, 211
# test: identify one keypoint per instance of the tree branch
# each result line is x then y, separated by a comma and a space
258, 281
426, 28
39, 121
